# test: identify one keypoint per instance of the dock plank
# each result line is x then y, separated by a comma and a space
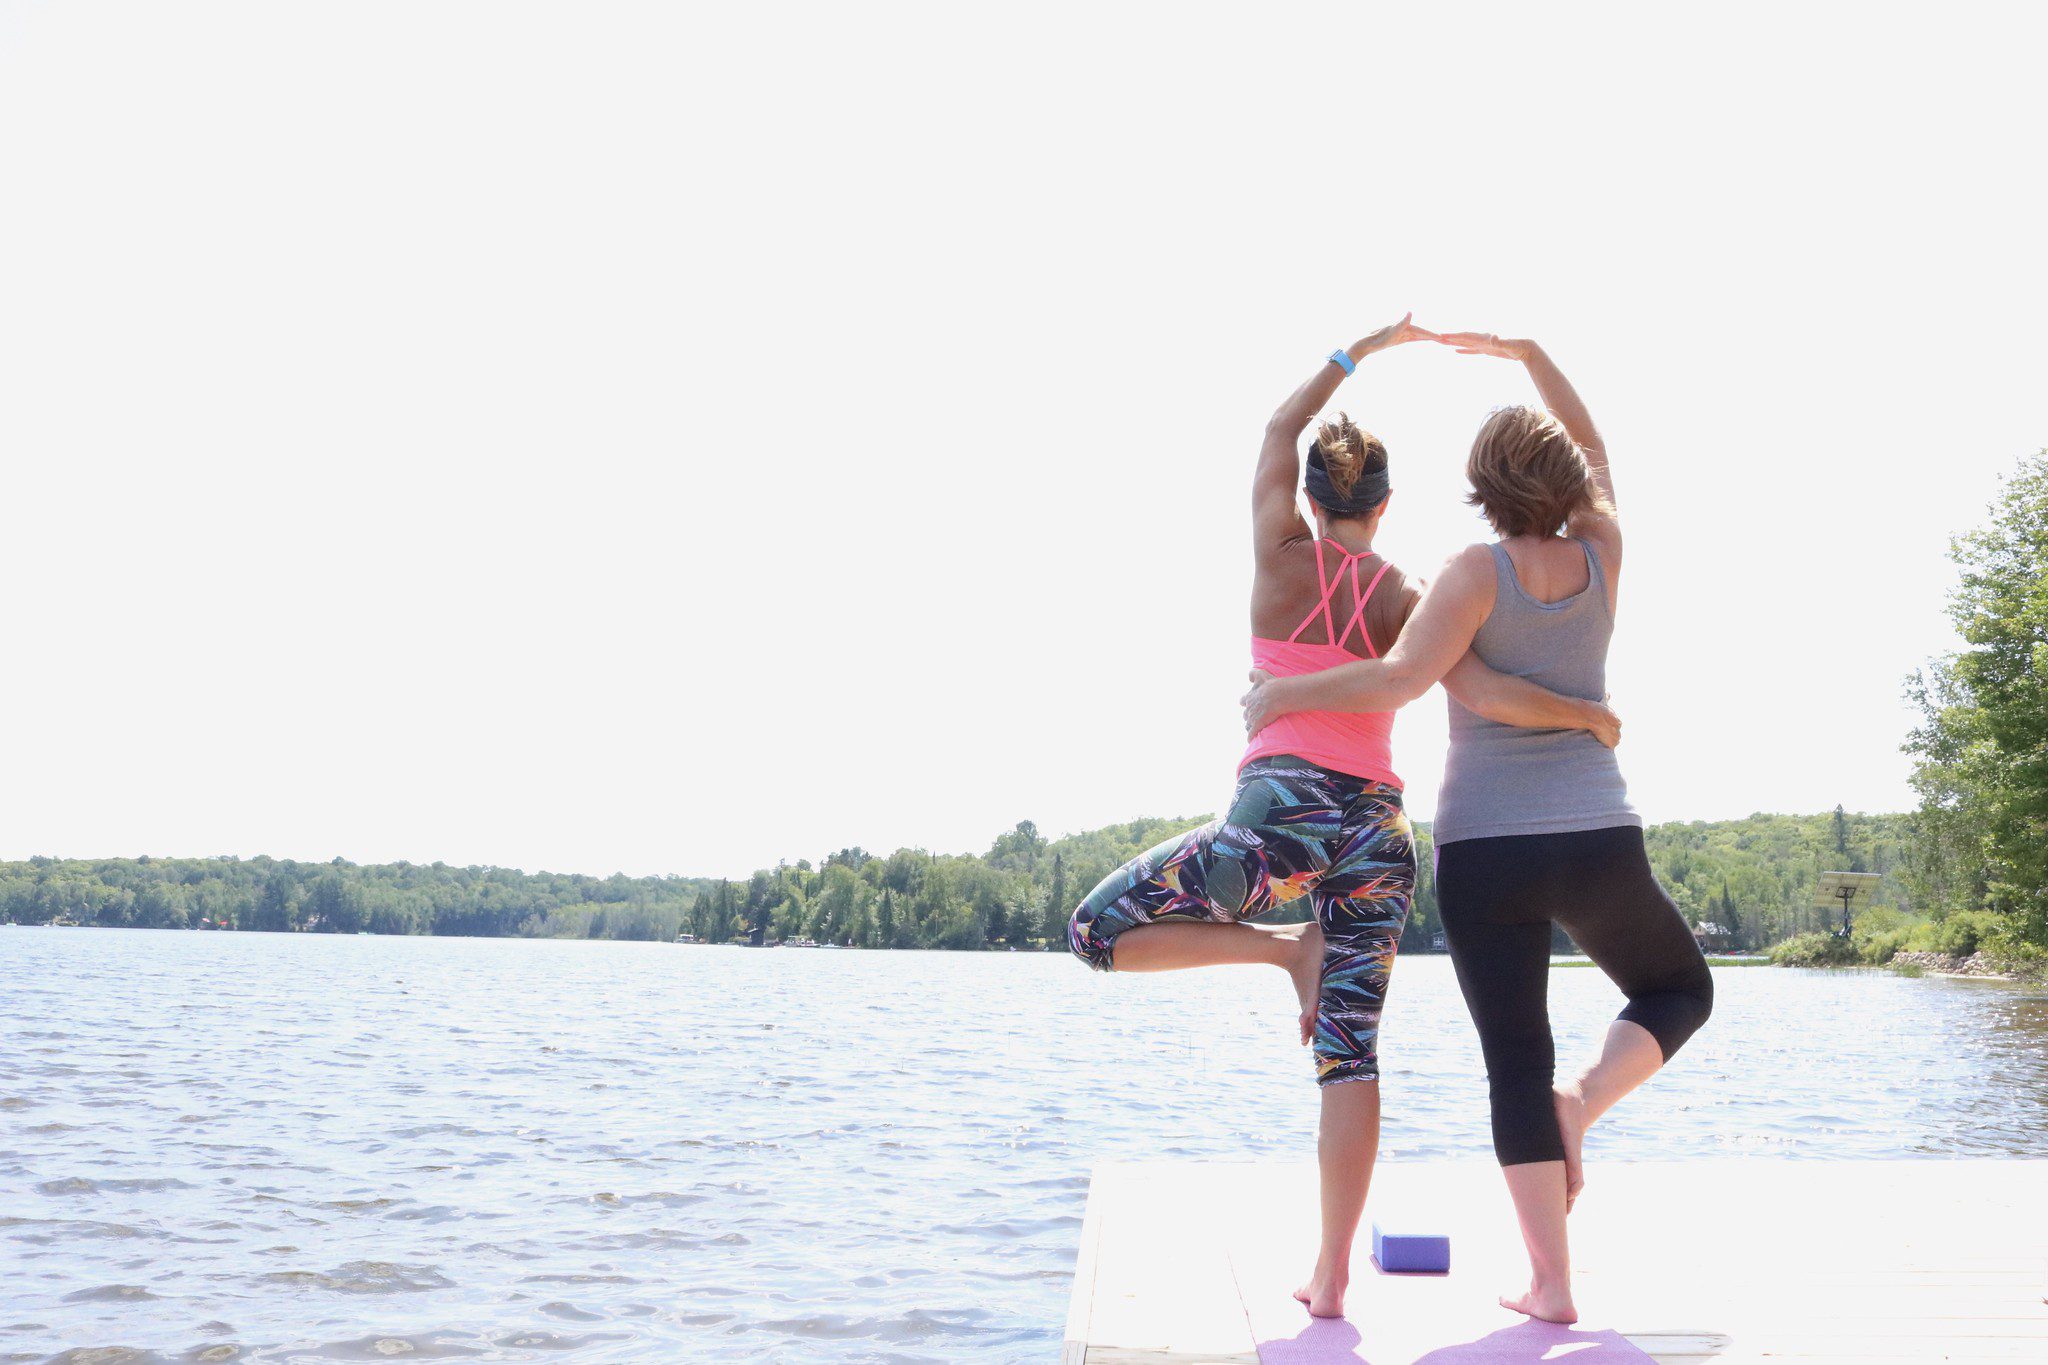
1720, 1260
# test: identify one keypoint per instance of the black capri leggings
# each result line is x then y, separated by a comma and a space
1498, 898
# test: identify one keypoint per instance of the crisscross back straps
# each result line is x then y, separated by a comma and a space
1358, 612
1323, 603
1327, 583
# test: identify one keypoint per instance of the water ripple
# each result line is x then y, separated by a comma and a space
283, 1147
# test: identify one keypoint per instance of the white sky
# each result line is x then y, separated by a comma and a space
545, 435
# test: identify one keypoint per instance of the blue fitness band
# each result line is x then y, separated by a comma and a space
1344, 362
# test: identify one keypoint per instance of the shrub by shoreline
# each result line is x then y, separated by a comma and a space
1952, 949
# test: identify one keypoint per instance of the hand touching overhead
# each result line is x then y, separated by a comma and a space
1486, 343
1395, 334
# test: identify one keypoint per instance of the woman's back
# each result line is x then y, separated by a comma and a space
1316, 605
1502, 780
1290, 591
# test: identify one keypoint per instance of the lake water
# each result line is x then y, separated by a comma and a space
286, 1147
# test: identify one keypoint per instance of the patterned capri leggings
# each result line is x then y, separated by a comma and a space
1294, 829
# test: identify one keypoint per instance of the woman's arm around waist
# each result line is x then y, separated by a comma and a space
1435, 637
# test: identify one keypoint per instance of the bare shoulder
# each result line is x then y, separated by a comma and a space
1468, 565
1408, 589
1467, 579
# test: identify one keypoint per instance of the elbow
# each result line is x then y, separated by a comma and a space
1388, 689
1405, 683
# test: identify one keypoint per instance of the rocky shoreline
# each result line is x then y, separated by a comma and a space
1978, 964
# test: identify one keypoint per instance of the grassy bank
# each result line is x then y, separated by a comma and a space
1713, 960
1967, 942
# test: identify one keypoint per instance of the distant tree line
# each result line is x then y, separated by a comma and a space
340, 897
1745, 883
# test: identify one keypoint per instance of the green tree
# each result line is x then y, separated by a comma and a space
277, 911
1731, 917
1057, 908
1019, 850
334, 906
1981, 751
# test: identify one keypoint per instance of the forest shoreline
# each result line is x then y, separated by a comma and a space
1743, 885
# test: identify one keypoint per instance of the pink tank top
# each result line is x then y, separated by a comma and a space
1358, 743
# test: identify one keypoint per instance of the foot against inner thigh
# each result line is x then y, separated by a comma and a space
1571, 1130
1300, 951
1629, 1055
1307, 971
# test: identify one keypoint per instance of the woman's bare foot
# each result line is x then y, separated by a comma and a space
1571, 1126
1551, 1305
1307, 970
1324, 1293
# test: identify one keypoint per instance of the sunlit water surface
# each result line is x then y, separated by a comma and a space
286, 1147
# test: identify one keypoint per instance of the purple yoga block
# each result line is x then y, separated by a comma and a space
1415, 1252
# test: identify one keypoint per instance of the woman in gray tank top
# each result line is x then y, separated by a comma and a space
1534, 827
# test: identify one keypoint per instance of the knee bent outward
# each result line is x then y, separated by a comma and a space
1086, 940
1676, 1012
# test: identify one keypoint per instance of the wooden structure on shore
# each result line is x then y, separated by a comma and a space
1722, 1260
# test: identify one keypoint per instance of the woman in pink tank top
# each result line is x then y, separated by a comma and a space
1317, 810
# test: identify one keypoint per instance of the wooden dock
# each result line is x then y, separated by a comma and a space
1689, 1261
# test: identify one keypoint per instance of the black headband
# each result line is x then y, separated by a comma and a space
1369, 492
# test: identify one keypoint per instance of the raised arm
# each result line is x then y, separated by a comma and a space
1599, 525
1276, 520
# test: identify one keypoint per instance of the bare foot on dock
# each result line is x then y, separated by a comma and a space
1551, 1305
1571, 1126
1323, 1294
1307, 971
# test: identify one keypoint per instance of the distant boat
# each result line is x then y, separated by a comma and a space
688, 938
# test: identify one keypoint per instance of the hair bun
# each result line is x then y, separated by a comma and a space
1347, 469
1342, 446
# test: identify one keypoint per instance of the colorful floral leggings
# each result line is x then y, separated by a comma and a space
1294, 829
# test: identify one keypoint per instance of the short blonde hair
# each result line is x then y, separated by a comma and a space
1528, 475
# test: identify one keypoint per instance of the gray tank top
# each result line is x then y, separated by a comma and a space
1499, 779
